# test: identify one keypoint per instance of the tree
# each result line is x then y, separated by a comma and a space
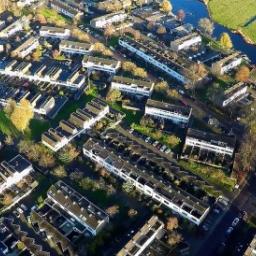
147, 121
112, 210
128, 187
166, 6
174, 238
9, 107
206, 26
161, 30
225, 41
8, 199
88, 184
59, 172
37, 54
173, 141
21, 246
132, 212
243, 74
172, 93
140, 72
41, 19
68, 154
80, 35
161, 86
55, 53
150, 25
99, 47
109, 31
181, 15
46, 160
114, 95
128, 66
22, 114
76, 176
172, 223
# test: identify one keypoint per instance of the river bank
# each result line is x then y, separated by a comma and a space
196, 10
213, 14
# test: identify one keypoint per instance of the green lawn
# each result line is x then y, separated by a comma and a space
52, 16
131, 116
37, 127
6, 126
213, 176
235, 14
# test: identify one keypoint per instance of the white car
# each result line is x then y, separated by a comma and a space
235, 222
163, 148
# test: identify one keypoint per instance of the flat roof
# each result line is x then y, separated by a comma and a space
75, 45
143, 236
217, 139
184, 110
83, 209
164, 55
156, 180
19, 163
108, 16
101, 61
130, 81
53, 29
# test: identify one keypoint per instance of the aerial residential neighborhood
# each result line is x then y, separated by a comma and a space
127, 128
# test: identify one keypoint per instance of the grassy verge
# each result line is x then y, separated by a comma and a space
213, 176
157, 135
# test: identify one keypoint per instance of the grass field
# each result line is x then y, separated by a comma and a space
235, 14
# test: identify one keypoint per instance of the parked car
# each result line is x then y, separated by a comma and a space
167, 151
235, 222
155, 143
147, 139
163, 148
229, 230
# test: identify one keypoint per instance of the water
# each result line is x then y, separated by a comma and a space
195, 10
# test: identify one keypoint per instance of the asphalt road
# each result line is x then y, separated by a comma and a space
245, 201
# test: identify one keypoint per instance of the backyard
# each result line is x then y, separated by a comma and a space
213, 176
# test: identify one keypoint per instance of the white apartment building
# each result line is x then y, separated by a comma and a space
154, 56
227, 64
12, 29
219, 144
13, 171
54, 32
177, 114
251, 249
234, 93
101, 64
78, 207
186, 42
132, 86
187, 206
66, 9
12, 69
104, 21
72, 47
79, 121
26, 48
151, 230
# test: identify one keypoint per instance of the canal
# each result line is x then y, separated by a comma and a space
195, 10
